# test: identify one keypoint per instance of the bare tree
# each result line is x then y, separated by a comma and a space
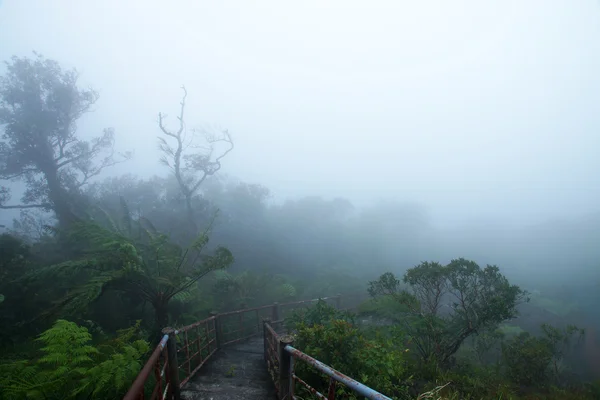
190, 161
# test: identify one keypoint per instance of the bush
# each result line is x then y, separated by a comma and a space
71, 367
331, 337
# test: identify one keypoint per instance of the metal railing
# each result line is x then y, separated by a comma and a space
161, 374
194, 353
281, 357
182, 352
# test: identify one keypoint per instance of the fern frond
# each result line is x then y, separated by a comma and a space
126, 216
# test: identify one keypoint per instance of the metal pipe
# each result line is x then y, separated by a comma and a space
138, 385
338, 376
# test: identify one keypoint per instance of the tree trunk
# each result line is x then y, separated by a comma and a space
161, 313
59, 198
191, 215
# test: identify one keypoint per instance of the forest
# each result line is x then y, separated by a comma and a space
97, 261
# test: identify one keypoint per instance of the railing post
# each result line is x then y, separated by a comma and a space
275, 314
338, 301
218, 332
173, 367
286, 368
265, 338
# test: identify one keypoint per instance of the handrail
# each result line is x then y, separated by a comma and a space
335, 375
280, 357
137, 387
292, 303
194, 325
202, 348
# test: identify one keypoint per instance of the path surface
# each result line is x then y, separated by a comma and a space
235, 372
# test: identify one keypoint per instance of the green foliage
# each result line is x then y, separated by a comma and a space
250, 288
319, 314
39, 106
387, 284
331, 337
487, 341
134, 260
533, 361
14, 261
71, 367
527, 358
473, 382
230, 372
118, 267
474, 299
385, 307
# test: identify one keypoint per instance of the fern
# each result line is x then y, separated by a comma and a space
67, 355
110, 378
71, 367
150, 267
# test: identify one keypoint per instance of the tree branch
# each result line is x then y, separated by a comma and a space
22, 206
61, 148
88, 153
177, 136
19, 174
180, 118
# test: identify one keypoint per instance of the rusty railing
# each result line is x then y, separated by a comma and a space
281, 357
161, 377
182, 352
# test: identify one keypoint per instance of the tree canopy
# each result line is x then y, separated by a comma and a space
40, 104
444, 305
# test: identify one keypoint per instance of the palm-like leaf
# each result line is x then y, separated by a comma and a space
148, 266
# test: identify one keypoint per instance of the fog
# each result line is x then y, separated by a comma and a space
476, 109
485, 114
367, 138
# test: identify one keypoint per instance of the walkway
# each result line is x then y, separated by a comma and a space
234, 372
223, 357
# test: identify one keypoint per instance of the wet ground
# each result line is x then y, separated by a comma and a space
236, 372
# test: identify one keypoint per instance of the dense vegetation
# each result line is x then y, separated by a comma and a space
93, 268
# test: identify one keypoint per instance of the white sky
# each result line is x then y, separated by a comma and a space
479, 109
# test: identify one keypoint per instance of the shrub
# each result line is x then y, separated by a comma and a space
71, 367
331, 337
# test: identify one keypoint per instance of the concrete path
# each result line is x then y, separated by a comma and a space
234, 373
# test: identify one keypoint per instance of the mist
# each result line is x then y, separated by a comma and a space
485, 115
338, 141
474, 110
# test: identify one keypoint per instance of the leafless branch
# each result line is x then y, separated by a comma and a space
190, 170
180, 118
87, 175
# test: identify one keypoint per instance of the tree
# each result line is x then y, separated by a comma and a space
40, 104
532, 360
133, 258
447, 304
158, 199
14, 258
191, 168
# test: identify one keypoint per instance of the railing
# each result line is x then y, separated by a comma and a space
161, 374
196, 352
281, 357
182, 352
